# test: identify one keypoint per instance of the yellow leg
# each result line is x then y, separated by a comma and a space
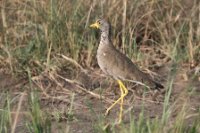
124, 92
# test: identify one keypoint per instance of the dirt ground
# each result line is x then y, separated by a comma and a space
80, 104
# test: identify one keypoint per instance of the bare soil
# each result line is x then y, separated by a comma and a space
89, 95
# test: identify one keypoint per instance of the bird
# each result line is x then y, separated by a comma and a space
117, 65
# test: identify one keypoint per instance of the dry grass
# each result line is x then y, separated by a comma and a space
49, 45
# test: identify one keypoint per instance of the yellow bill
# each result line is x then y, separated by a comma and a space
95, 25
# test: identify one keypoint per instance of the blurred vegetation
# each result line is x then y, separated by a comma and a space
33, 33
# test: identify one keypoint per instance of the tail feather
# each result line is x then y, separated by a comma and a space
147, 79
152, 83
158, 86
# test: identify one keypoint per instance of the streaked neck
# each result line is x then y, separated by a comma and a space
105, 37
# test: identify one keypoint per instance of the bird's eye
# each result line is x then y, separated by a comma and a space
98, 22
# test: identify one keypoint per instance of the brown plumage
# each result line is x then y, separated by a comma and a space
116, 64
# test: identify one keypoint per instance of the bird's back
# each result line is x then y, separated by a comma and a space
119, 66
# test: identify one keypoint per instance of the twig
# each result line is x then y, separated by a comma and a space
72, 61
85, 90
17, 112
137, 82
53, 97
